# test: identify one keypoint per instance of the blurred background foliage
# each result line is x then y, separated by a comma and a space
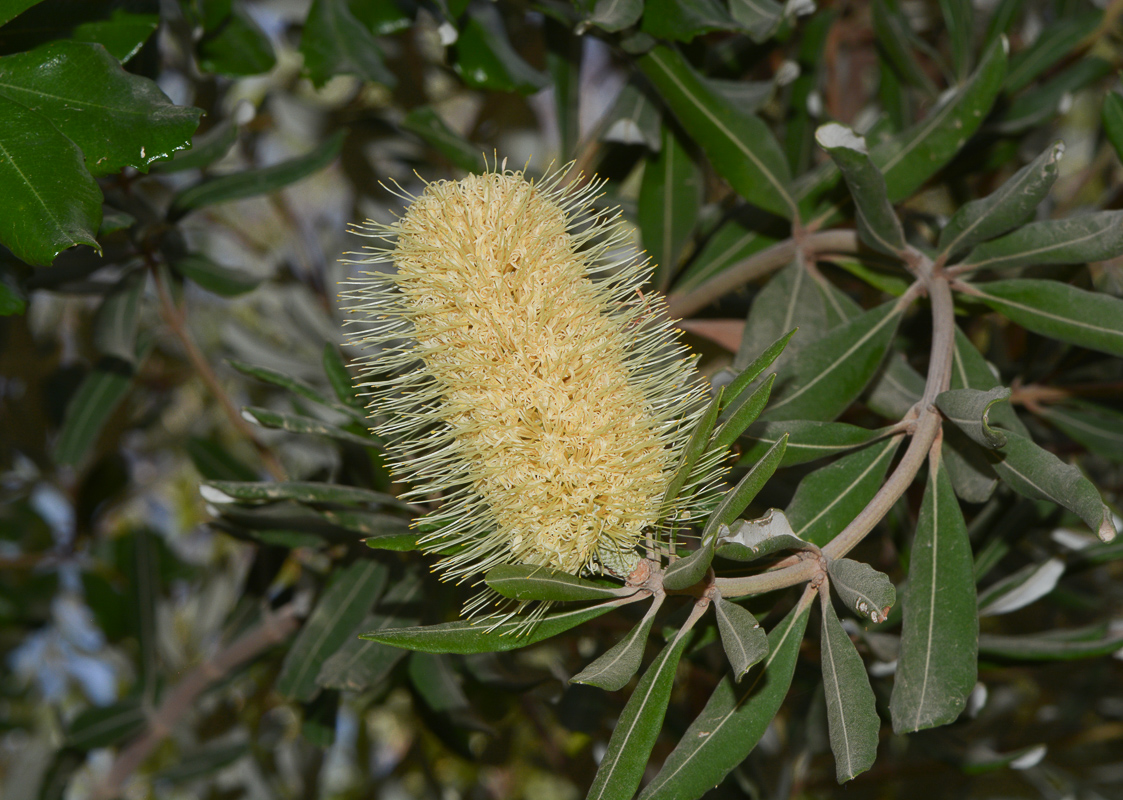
200, 340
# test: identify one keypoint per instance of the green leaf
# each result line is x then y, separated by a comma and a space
254, 182
213, 462
294, 385
638, 727
740, 146
1009, 206
115, 326
1052, 646
969, 370
692, 569
334, 42
808, 440
937, 666
792, 299
1075, 240
698, 443
758, 18
117, 119
1018, 590
982, 759
236, 46
896, 40
616, 666
851, 709
223, 281
344, 603
96, 399
202, 761
1112, 116
340, 379
531, 582
431, 129
436, 682
361, 663
107, 725
734, 719
480, 637
634, 119
959, 19
862, 588
123, 34
877, 221
669, 199
205, 149
1052, 98
830, 373
826, 500
485, 58
969, 409
737, 499
1039, 475
743, 414
13, 299
685, 20
748, 540
615, 15
298, 423
10, 9
1059, 311
1098, 428
744, 641
48, 199
971, 475
382, 17
396, 542
1065, 33
734, 241
299, 491
735, 391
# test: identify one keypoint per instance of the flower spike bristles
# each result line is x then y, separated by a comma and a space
521, 377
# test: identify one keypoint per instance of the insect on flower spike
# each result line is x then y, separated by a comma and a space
520, 376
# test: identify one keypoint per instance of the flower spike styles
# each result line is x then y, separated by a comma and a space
521, 378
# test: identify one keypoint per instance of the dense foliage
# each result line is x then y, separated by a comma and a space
911, 578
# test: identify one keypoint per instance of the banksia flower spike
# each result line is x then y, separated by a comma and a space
519, 375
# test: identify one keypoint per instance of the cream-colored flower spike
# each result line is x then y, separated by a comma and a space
519, 375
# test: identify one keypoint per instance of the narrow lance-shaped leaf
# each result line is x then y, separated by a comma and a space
744, 641
1007, 207
1112, 116
937, 667
638, 727
1059, 311
808, 440
1065, 34
1025, 586
851, 709
1052, 646
1038, 474
1074, 240
959, 19
828, 374
116, 324
737, 499
877, 222
750, 539
427, 124
669, 199
969, 370
298, 423
529, 582
862, 588
299, 491
615, 15
740, 145
896, 40
107, 725
759, 18
222, 280
339, 611
100, 393
734, 719
690, 570
1097, 427
697, 444
758, 365
970, 409
742, 414
294, 385
684, 20
616, 666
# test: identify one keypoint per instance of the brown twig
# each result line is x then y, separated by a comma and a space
275, 628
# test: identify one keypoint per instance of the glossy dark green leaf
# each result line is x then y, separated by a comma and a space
117, 119
102, 726
743, 414
750, 539
827, 499
615, 15
851, 709
405, 542
300, 491
669, 199
205, 149
615, 667
343, 605
808, 440
382, 17
1059, 311
1112, 116
529, 582
1074, 240
13, 299
1009, 206
223, 281
691, 569
734, 719
294, 385
114, 221
1036, 473
298, 423
430, 128
877, 221
685, 20
254, 182
235, 46
937, 666
740, 146
731, 243
48, 199
1057, 645
744, 641
863, 589
737, 499
96, 399
202, 761
1098, 428
1064, 34
115, 325
485, 58
830, 373
123, 34
735, 393
335, 42
481, 637
10, 9
638, 727
970, 409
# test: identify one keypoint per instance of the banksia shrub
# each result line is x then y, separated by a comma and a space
520, 376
